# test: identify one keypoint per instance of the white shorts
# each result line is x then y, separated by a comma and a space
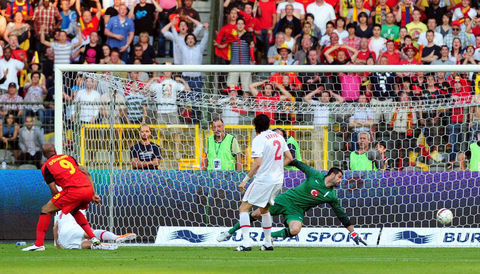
261, 194
70, 234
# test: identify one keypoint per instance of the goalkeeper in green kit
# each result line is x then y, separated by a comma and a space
292, 204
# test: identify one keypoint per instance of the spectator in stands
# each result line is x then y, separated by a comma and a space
61, 47
106, 54
17, 53
362, 120
302, 53
431, 51
464, 10
233, 106
364, 52
35, 94
341, 56
92, 52
117, 99
416, 27
289, 20
321, 109
17, 27
112, 10
289, 40
351, 40
88, 22
145, 154
323, 13
468, 58
429, 118
87, 99
340, 29
267, 100
390, 30
11, 97
444, 57
437, 36
9, 134
273, 50
45, 19
352, 16
120, 31
404, 13
433, 10
310, 80
381, 13
30, 141
69, 18
444, 26
460, 96
192, 54
376, 43
22, 6
306, 32
456, 52
223, 151
315, 31
148, 55
10, 67
266, 20
403, 123
298, 9
456, 33
241, 54
136, 102
139, 54
365, 158
410, 52
326, 39
393, 55
363, 30
384, 92
179, 38
285, 57
187, 10
144, 15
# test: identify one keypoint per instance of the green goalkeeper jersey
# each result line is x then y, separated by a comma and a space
312, 192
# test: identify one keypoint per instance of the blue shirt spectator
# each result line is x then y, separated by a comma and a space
120, 31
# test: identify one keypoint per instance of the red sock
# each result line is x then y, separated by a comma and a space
82, 221
42, 226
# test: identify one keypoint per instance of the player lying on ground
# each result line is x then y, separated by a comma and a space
292, 204
69, 235
77, 192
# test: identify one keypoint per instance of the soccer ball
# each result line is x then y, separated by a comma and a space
444, 216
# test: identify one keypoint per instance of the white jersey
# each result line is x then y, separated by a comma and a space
270, 146
70, 234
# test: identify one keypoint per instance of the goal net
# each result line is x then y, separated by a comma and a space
403, 135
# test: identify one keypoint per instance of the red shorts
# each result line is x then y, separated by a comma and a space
72, 198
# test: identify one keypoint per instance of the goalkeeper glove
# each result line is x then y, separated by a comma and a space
357, 239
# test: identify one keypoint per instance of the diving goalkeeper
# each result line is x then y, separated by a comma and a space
292, 204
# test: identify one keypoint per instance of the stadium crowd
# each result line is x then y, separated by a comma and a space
38, 34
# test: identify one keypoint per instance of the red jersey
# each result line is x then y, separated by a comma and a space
268, 10
90, 26
64, 171
267, 106
225, 36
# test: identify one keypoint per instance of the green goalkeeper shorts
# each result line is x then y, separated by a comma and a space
289, 213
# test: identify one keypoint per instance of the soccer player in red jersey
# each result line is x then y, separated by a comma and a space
77, 192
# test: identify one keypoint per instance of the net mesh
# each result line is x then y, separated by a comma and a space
417, 128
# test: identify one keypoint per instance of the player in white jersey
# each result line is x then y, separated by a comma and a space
69, 235
270, 154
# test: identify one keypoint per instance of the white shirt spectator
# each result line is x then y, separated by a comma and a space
34, 94
88, 112
193, 55
166, 95
322, 14
321, 113
297, 8
362, 114
177, 40
458, 14
437, 39
13, 66
231, 111
376, 45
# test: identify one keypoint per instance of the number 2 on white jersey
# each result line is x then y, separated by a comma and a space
277, 144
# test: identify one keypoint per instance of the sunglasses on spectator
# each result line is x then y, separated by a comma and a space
455, 29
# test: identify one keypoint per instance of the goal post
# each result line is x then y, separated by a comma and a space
415, 168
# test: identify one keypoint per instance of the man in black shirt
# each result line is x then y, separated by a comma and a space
384, 92
434, 10
145, 154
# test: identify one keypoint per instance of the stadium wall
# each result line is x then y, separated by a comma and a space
146, 200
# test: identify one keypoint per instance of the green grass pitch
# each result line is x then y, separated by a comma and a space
225, 260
